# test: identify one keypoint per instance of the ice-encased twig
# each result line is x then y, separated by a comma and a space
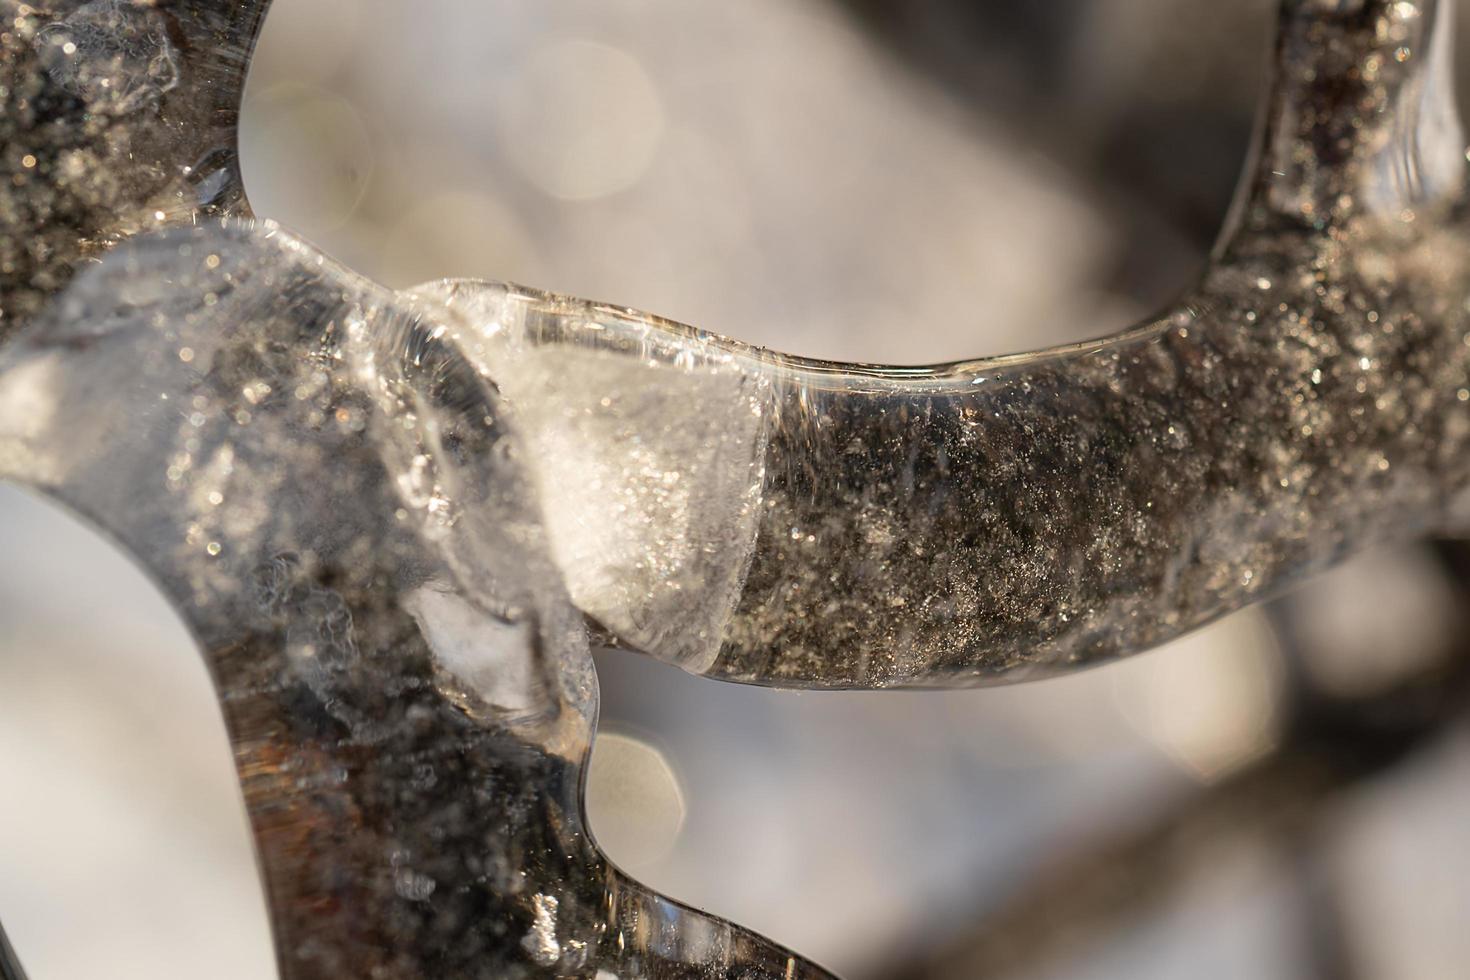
407, 687
115, 118
771, 520
385, 517
831, 525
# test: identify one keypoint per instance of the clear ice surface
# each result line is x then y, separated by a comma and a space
395, 521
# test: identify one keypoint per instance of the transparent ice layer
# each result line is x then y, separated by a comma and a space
345, 514
395, 521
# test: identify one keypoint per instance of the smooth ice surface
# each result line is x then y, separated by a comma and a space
392, 520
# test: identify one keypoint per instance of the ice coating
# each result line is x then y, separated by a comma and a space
411, 709
1004, 519
410, 719
391, 519
1015, 517
646, 456
115, 118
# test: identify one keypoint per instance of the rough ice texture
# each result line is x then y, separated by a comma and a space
646, 461
406, 681
1009, 518
392, 520
115, 118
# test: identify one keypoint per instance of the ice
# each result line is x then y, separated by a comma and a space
341, 506
394, 521
648, 474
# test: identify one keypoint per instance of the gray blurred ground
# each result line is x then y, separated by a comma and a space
885, 181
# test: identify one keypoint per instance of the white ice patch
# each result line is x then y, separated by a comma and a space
649, 478
28, 402
493, 658
645, 449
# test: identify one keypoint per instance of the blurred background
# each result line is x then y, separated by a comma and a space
1282, 795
